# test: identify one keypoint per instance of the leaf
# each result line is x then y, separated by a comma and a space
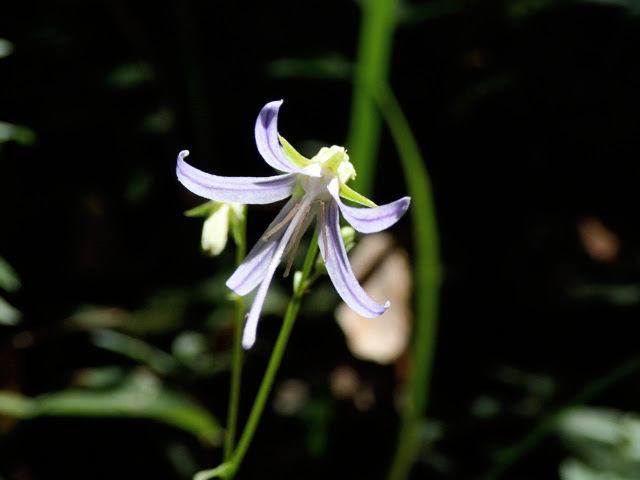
9, 315
6, 48
8, 278
140, 396
332, 66
136, 349
17, 133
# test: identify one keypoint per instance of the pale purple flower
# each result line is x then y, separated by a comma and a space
315, 186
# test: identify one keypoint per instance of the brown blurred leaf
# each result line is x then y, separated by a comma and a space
381, 339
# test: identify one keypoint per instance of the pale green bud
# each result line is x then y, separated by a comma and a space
215, 230
348, 235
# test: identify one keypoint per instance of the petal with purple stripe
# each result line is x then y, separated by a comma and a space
370, 219
267, 140
339, 269
251, 325
248, 190
254, 267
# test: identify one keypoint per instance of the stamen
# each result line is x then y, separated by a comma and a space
282, 223
297, 235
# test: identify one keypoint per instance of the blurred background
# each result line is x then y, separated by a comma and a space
116, 328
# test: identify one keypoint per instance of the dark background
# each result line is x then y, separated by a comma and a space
527, 115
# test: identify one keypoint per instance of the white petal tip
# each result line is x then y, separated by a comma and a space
387, 304
274, 103
248, 340
183, 154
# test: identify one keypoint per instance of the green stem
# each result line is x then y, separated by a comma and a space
236, 366
229, 468
371, 69
427, 277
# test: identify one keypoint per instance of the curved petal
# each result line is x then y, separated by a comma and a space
250, 190
251, 325
254, 267
370, 219
267, 138
339, 269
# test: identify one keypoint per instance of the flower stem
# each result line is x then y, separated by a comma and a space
239, 234
427, 272
228, 469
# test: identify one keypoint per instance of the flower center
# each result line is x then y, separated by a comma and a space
334, 163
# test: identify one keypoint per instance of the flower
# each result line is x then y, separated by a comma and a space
315, 186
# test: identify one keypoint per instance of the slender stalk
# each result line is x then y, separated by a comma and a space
238, 353
371, 69
229, 468
427, 277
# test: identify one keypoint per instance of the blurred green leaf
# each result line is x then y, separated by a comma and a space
164, 312
159, 121
136, 349
102, 377
16, 133
8, 278
332, 66
520, 9
130, 75
606, 443
6, 48
631, 6
192, 349
622, 295
138, 187
92, 316
140, 395
573, 469
9, 315
410, 13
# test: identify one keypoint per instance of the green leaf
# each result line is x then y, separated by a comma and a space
8, 278
140, 395
130, 75
201, 210
136, 349
332, 66
6, 48
9, 315
16, 405
17, 133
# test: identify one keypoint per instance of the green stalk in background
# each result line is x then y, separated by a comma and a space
228, 469
427, 278
371, 87
371, 70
